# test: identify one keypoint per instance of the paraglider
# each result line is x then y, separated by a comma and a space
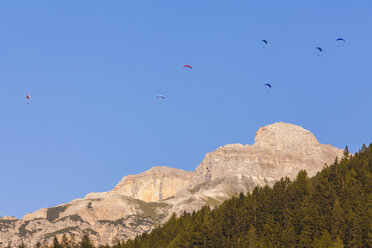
265, 41
27, 98
320, 50
339, 41
269, 86
161, 98
187, 66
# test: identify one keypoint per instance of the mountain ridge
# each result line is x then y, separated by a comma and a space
140, 202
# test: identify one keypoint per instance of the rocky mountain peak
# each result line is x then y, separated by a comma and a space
280, 150
285, 136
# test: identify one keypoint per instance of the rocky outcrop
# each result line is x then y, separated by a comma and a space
279, 150
104, 219
8, 218
156, 184
140, 202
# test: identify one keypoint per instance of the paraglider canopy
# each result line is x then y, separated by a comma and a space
28, 98
320, 49
160, 96
340, 39
268, 85
264, 41
187, 66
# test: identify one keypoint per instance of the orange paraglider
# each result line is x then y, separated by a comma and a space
28, 98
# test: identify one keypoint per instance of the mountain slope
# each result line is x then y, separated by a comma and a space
331, 209
140, 202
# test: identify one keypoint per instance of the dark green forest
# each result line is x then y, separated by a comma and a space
331, 209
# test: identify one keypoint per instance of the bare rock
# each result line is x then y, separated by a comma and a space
280, 150
156, 184
8, 218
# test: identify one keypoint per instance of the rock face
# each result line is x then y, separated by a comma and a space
8, 218
156, 184
279, 150
140, 202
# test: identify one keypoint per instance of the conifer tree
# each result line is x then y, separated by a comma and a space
251, 237
86, 242
337, 216
22, 245
56, 244
364, 148
65, 241
346, 151
324, 241
337, 243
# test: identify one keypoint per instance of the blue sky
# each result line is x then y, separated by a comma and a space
94, 68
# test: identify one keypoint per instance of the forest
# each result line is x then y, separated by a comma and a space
331, 209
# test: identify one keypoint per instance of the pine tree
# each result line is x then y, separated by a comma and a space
85, 242
337, 243
364, 148
196, 232
325, 241
65, 243
336, 221
346, 152
56, 244
251, 237
306, 236
22, 245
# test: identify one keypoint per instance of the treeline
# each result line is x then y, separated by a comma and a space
331, 209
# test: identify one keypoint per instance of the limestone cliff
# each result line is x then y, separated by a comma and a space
140, 202
156, 184
279, 150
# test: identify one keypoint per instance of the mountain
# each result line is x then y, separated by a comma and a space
331, 209
140, 202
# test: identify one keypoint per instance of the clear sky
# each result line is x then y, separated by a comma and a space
93, 70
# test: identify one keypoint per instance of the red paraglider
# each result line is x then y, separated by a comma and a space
28, 98
188, 66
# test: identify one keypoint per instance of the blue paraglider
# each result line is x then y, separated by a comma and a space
320, 50
339, 41
269, 86
265, 41
161, 98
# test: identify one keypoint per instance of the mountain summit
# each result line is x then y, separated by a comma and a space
280, 150
140, 202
